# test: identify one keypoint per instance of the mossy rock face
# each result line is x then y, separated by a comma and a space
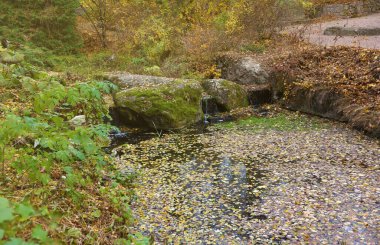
172, 105
229, 95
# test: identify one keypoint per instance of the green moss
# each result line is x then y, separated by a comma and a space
238, 98
173, 105
281, 122
257, 47
228, 95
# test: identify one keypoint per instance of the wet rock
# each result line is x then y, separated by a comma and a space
220, 118
167, 105
242, 70
261, 94
331, 103
228, 95
209, 105
319, 101
117, 136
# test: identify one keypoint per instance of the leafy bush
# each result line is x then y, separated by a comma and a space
154, 40
194, 31
18, 215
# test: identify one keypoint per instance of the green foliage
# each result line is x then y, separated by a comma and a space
157, 31
5, 210
56, 161
154, 40
15, 216
257, 47
136, 239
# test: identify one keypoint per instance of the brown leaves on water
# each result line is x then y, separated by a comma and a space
246, 186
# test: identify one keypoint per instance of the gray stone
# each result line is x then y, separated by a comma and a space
228, 95
331, 103
210, 105
244, 71
78, 120
352, 9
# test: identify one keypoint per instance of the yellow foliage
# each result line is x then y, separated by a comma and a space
195, 30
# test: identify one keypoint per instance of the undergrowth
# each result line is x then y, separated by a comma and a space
45, 24
57, 183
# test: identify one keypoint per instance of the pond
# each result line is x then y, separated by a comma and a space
284, 179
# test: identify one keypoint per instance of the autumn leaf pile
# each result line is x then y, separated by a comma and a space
353, 71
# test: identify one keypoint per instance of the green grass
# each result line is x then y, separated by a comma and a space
43, 24
281, 122
254, 47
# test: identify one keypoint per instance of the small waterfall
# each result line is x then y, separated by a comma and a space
206, 112
209, 107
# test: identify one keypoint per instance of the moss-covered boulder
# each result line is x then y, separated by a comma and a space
171, 105
228, 95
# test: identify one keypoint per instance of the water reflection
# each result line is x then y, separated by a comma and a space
218, 193
207, 195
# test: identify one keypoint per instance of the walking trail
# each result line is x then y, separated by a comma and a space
314, 32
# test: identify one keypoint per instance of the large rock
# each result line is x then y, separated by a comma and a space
160, 103
245, 71
228, 95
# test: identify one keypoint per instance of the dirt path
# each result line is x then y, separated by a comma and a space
314, 33
312, 182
